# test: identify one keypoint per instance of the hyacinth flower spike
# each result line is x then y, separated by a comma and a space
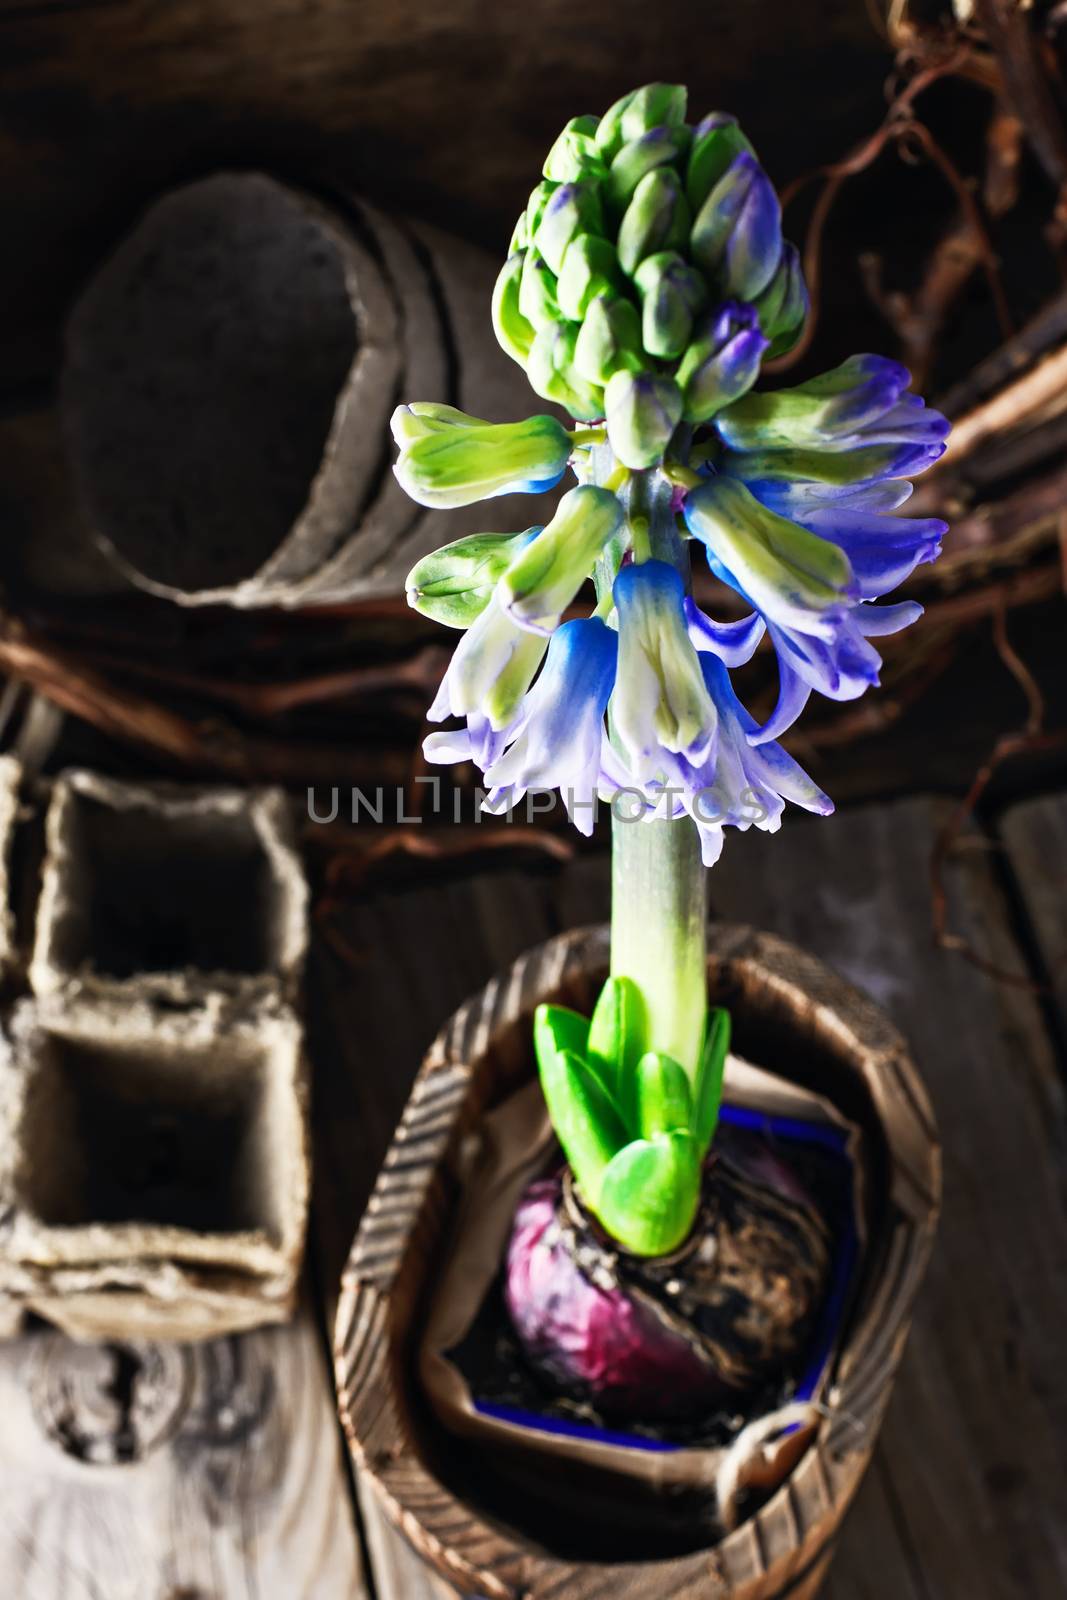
646, 286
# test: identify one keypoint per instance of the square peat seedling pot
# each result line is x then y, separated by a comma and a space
169, 895
516, 1526
154, 1171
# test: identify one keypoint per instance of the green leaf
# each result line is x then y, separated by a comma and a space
709, 1076
585, 1117
558, 1028
453, 585
650, 1193
663, 1099
617, 1040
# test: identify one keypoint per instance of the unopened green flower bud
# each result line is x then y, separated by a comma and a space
782, 308
514, 334
414, 422
537, 301
657, 218
545, 576
519, 238
609, 340
737, 235
590, 268
574, 208
660, 147
716, 141
551, 370
643, 409
657, 105
671, 294
450, 459
723, 360
455, 584
575, 152
535, 206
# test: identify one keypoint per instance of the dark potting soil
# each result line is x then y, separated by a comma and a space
498, 1373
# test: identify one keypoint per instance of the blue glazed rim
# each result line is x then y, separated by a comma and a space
789, 1129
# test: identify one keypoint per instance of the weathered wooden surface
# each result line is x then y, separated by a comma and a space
1035, 839
157, 1472
966, 1498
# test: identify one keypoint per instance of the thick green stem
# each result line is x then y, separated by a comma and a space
659, 930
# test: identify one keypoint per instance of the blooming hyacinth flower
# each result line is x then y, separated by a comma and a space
647, 283
558, 734
661, 706
494, 664
738, 784
796, 515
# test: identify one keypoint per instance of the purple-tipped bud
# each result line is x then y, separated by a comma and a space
656, 219
716, 141
722, 362
574, 208
660, 147
737, 235
671, 293
783, 305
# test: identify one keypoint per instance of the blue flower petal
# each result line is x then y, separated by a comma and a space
735, 643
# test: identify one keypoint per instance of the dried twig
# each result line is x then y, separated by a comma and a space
359, 853
899, 121
205, 743
1027, 88
418, 674
919, 318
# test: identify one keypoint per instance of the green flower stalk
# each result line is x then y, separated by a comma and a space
646, 285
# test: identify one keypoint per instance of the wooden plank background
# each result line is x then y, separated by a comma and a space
160, 1474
